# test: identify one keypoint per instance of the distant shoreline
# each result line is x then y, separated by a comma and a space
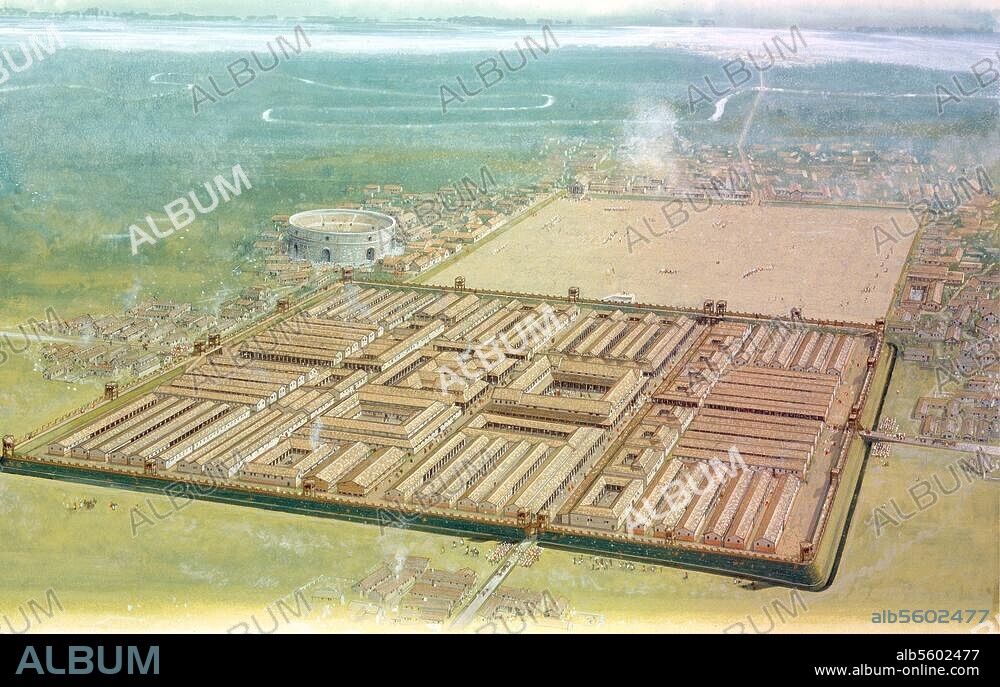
487, 22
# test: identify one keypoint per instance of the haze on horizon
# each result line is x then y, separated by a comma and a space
976, 14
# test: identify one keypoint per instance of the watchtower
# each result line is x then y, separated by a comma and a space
574, 294
709, 311
8, 446
110, 391
460, 283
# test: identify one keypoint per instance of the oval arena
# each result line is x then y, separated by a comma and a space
342, 237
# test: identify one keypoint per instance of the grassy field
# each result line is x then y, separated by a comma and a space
910, 381
28, 401
201, 567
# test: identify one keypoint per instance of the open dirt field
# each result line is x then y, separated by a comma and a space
819, 258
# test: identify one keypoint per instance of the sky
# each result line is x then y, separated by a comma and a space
734, 12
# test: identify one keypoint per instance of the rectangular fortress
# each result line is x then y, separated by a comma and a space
629, 423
